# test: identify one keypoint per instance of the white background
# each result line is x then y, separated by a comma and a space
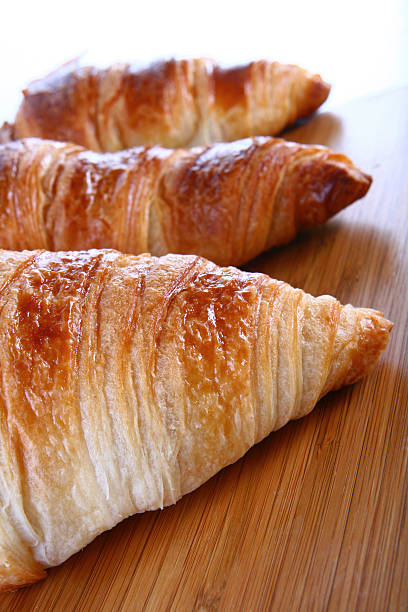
359, 46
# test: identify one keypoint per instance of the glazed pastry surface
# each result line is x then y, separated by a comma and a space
175, 103
227, 202
127, 382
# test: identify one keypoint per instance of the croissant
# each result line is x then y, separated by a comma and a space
228, 202
127, 382
176, 103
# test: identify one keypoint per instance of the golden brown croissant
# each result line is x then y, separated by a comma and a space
228, 202
127, 382
176, 103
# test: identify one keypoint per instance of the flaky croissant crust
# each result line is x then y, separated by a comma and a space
227, 202
127, 382
175, 103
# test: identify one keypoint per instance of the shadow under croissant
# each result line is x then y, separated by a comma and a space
322, 128
340, 246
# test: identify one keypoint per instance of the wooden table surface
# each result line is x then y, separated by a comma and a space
315, 516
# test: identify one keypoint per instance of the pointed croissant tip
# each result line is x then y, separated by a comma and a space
320, 89
373, 333
351, 185
328, 188
317, 92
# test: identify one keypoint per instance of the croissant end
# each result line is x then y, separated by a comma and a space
318, 198
317, 92
361, 337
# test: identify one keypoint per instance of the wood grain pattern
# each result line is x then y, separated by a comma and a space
314, 517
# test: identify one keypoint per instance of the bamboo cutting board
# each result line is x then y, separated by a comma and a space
314, 517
